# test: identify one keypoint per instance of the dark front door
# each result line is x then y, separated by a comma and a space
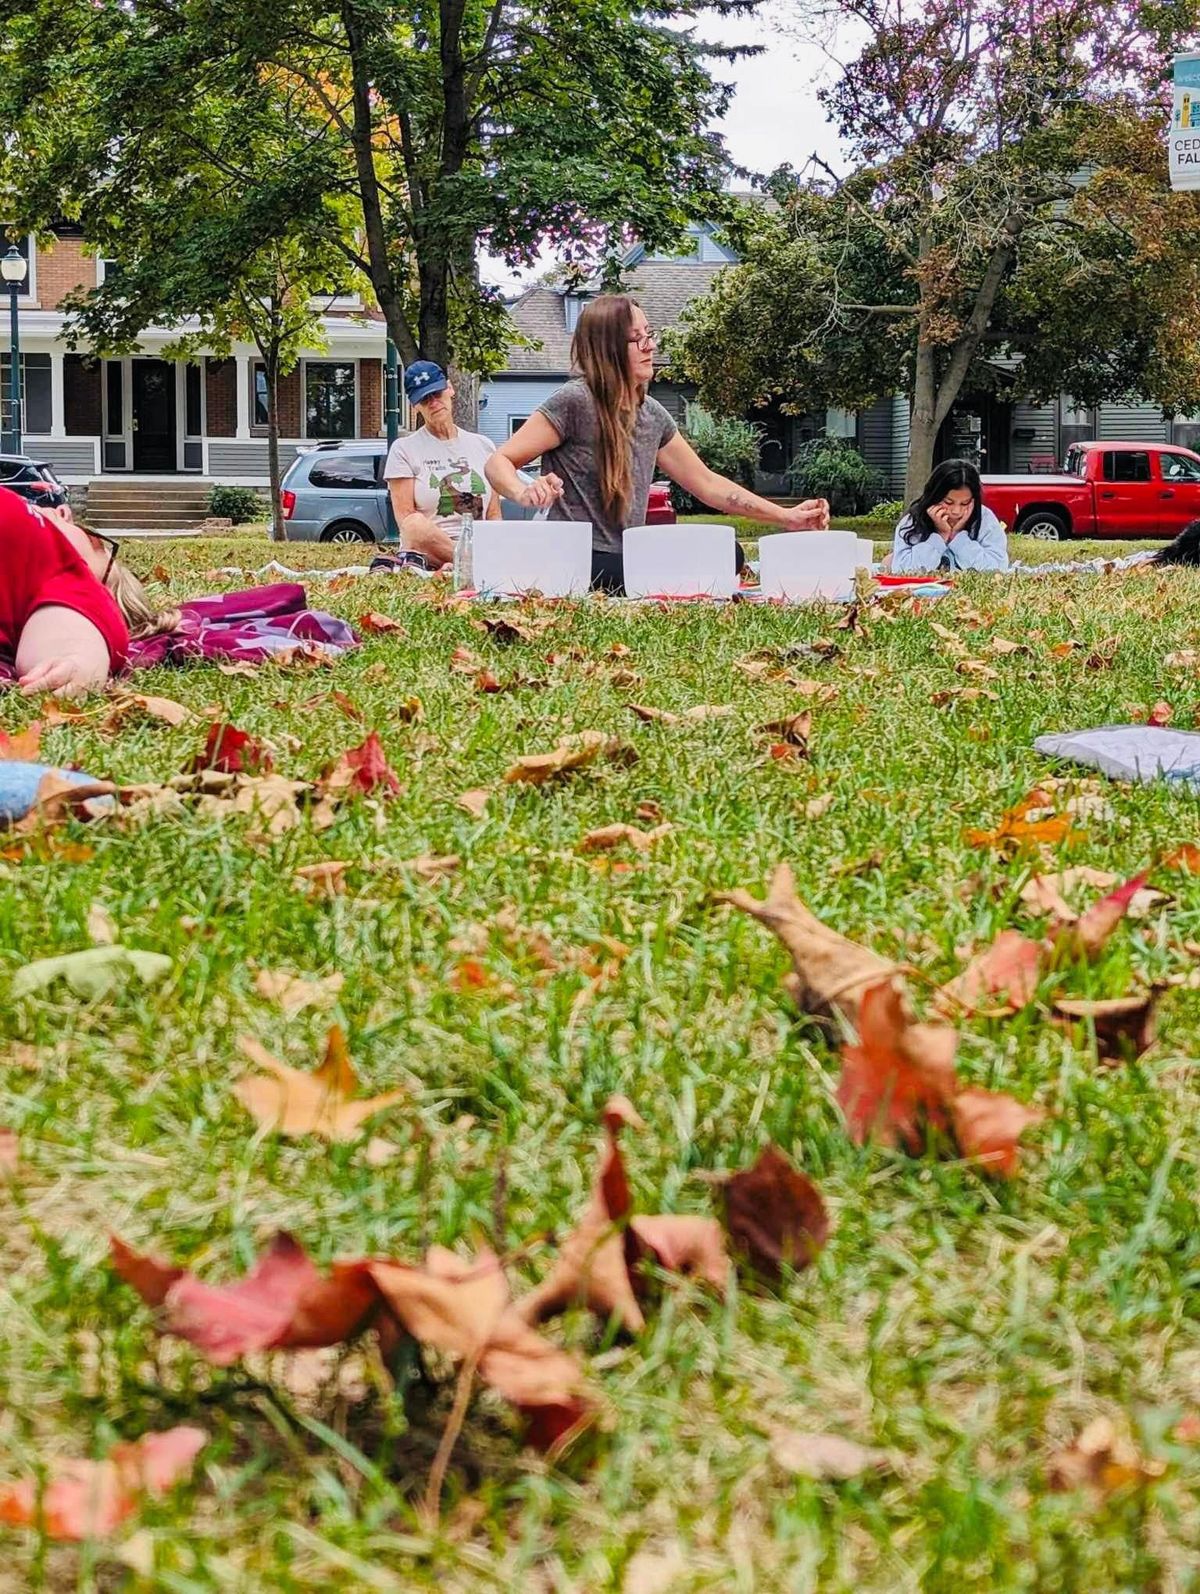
154, 415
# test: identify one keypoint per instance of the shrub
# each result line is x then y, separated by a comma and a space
238, 504
729, 446
831, 467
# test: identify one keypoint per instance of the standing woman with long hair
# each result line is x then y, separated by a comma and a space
948, 526
602, 441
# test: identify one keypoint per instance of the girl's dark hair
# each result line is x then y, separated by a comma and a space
1185, 550
951, 473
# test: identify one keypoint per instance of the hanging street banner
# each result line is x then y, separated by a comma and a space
1183, 141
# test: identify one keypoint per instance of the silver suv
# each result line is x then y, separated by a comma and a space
335, 492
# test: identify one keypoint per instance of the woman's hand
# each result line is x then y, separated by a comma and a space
541, 492
811, 515
70, 676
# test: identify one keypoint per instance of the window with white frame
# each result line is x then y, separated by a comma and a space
1076, 424
258, 395
35, 393
330, 398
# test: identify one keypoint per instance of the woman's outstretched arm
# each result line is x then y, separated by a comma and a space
682, 464
59, 650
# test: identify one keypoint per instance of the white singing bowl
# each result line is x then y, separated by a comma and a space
513, 557
680, 561
801, 566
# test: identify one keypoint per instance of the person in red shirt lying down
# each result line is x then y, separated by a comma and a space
68, 607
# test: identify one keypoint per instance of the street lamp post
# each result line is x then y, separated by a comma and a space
13, 268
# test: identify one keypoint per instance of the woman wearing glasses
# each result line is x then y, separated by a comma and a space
602, 441
67, 606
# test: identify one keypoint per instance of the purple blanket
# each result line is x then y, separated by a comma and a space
258, 624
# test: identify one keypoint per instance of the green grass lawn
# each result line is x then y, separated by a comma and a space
969, 1327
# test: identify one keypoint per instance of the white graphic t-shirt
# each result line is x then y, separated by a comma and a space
446, 473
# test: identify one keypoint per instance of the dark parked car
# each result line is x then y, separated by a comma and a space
336, 493
32, 479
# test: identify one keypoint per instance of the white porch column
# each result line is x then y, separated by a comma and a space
243, 395
58, 407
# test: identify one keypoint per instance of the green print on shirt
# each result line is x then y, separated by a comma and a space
453, 495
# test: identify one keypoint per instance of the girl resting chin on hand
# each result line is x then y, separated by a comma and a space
948, 528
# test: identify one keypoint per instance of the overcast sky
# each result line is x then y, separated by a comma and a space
774, 115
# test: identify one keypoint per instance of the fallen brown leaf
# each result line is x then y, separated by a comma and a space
1103, 1460
293, 993
794, 731
126, 704
831, 972
988, 1126
573, 752
380, 624
824, 1455
363, 769
326, 879
662, 716
1003, 978
610, 836
474, 802
24, 746
775, 1214
429, 867
324, 1103
816, 806
1125, 1026
101, 927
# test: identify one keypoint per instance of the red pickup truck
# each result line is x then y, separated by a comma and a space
1106, 490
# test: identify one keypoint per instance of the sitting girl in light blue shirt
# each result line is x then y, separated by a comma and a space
948, 528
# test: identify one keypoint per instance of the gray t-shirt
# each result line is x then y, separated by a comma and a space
572, 413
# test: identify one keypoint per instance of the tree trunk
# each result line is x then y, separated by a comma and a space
923, 425
466, 398
278, 524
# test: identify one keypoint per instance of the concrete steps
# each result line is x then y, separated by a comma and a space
120, 503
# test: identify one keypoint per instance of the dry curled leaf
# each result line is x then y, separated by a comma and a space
1125, 1026
429, 867
126, 704
831, 972
573, 752
823, 1455
1003, 978
474, 802
775, 1214
282, 1303
794, 731
84, 1499
24, 746
325, 1102
689, 716
816, 806
463, 1309
294, 993
1103, 1460
326, 879
376, 624
988, 1126
610, 836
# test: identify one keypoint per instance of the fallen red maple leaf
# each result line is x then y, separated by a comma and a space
231, 751
900, 1080
283, 1303
363, 768
88, 1499
1003, 976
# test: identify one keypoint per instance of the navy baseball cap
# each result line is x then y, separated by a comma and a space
422, 379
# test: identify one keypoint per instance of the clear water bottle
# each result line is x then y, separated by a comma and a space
464, 548
464, 555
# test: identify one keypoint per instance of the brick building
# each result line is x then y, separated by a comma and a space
145, 415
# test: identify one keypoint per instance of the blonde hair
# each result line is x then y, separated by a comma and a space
141, 616
600, 351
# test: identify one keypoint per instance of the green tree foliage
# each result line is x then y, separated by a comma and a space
1009, 200
831, 467
444, 126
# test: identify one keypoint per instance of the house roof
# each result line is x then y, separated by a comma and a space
661, 287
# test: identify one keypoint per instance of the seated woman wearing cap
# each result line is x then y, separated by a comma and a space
436, 474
